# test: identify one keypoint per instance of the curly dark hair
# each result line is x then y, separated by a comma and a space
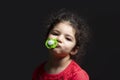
82, 34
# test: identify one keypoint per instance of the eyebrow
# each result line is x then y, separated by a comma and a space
52, 31
55, 30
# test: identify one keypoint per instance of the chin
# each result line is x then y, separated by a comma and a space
59, 54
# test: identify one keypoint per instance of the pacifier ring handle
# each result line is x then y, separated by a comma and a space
51, 43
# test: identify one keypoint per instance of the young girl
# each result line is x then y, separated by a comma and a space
72, 36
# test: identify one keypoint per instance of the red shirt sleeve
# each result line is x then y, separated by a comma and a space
35, 73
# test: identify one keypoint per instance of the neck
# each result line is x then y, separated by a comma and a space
56, 65
58, 62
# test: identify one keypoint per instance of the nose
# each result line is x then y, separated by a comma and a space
60, 38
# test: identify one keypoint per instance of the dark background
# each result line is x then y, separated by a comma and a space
23, 33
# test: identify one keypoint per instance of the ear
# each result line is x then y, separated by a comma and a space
74, 51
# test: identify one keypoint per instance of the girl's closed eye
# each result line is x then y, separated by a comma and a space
69, 39
54, 33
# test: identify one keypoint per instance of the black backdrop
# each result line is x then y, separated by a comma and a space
24, 32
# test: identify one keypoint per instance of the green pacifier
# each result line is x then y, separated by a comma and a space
51, 43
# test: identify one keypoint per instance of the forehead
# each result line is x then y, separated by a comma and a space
65, 27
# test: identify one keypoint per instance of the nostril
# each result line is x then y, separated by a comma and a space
59, 41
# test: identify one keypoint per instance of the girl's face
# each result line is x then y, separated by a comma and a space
65, 35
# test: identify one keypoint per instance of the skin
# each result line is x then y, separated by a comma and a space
59, 57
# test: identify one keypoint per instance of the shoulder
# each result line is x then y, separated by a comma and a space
39, 69
78, 73
81, 75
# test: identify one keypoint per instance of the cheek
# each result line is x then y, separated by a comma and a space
51, 36
68, 46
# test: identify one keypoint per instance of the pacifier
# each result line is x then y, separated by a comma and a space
51, 43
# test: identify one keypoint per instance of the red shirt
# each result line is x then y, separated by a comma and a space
72, 72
